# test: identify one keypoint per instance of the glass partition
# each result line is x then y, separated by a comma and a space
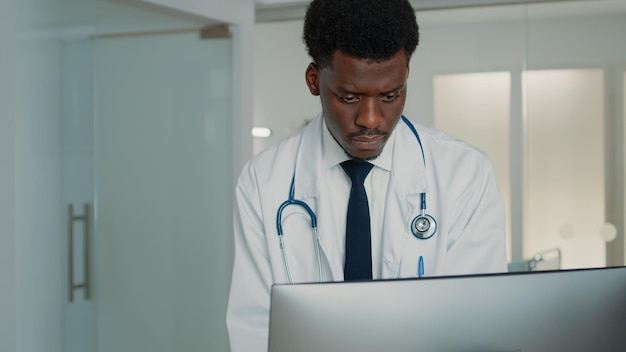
575, 47
565, 165
563, 168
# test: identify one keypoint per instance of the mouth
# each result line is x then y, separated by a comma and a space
368, 142
366, 146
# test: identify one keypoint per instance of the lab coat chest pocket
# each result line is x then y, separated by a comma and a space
413, 250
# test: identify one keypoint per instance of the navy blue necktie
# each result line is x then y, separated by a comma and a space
358, 264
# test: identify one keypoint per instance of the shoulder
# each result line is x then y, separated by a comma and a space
443, 147
272, 161
452, 164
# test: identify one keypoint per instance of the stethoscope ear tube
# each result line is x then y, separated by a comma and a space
279, 230
284, 253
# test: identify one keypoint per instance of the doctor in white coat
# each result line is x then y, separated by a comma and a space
298, 189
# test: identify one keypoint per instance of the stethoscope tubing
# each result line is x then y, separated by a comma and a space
279, 229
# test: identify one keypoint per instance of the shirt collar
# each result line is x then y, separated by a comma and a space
333, 153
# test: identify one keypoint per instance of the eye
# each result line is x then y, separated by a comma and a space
349, 99
389, 97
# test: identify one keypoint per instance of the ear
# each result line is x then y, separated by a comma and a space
312, 79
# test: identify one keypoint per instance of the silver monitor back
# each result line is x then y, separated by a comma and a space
572, 310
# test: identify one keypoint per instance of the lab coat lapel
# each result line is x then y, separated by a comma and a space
407, 182
309, 173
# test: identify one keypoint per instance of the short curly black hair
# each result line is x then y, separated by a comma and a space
365, 29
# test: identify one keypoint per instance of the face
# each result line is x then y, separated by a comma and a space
362, 101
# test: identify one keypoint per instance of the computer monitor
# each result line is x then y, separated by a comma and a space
548, 311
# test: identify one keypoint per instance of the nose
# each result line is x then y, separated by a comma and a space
370, 113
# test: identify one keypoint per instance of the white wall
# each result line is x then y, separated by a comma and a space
39, 221
282, 100
8, 265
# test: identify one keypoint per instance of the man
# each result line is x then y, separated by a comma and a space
335, 225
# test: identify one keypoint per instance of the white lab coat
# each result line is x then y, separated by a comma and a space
461, 193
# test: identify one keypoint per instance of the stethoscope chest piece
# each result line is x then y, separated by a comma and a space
423, 226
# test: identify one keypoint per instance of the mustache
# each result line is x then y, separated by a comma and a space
368, 132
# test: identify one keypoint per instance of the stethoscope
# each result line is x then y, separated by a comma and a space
423, 226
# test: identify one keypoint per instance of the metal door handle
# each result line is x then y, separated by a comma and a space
71, 219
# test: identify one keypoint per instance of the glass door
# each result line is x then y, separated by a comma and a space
124, 149
163, 183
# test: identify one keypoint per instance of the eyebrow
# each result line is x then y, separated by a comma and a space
400, 88
397, 89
